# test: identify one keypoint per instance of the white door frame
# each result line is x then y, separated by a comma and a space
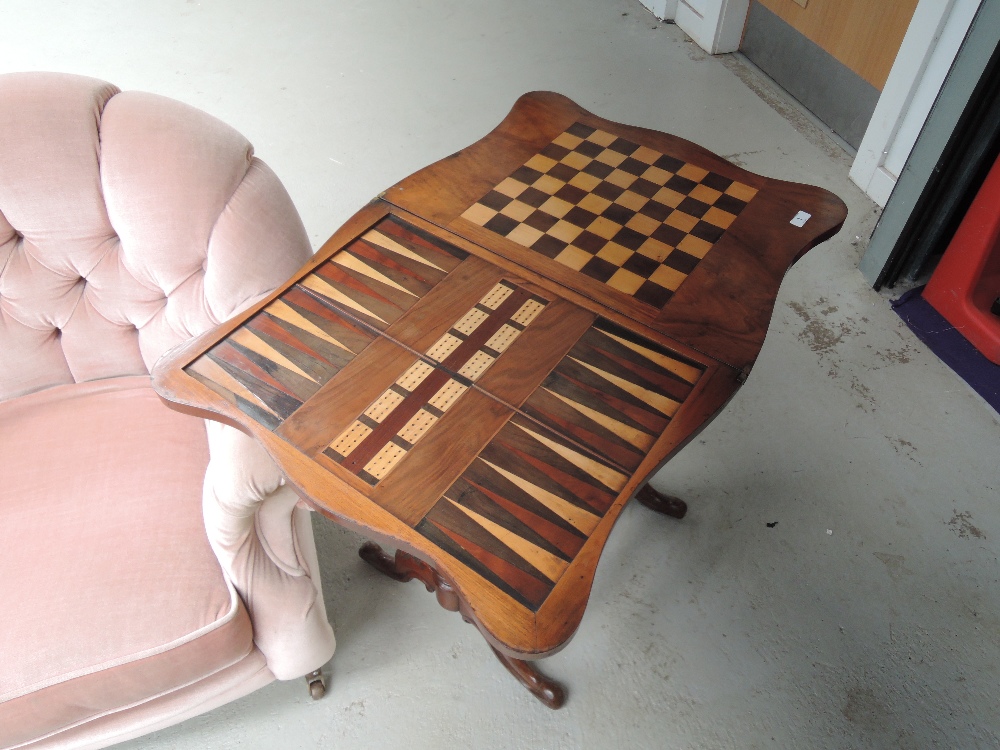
665, 10
715, 25
932, 40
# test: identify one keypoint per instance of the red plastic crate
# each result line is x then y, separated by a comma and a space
966, 283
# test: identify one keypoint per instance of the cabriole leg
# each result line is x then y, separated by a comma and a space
547, 690
405, 567
668, 505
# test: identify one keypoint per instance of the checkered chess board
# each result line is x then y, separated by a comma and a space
623, 214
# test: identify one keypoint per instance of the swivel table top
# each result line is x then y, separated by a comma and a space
489, 360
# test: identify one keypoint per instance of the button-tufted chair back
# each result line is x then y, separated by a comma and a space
128, 223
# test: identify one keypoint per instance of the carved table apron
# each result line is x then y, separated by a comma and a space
489, 360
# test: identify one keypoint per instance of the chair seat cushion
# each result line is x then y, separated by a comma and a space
110, 591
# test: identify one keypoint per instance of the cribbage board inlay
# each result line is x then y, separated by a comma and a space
373, 444
623, 214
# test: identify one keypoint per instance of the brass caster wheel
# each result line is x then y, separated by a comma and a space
317, 685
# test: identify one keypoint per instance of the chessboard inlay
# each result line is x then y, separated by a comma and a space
626, 215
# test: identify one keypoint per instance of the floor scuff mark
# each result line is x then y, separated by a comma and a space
864, 709
820, 335
904, 448
894, 564
961, 524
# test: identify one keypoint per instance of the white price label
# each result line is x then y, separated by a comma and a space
800, 219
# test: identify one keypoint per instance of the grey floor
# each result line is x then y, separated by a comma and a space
835, 583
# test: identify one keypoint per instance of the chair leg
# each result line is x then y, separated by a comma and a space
317, 684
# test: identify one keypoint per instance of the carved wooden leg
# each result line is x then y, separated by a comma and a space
665, 504
402, 567
547, 690
317, 684
405, 567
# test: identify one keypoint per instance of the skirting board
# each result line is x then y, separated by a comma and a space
838, 96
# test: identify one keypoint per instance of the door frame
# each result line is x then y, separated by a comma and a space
715, 25
947, 163
662, 9
926, 55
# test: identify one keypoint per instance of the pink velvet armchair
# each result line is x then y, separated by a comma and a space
152, 567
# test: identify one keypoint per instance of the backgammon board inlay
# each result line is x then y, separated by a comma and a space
520, 513
623, 214
273, 363
279, 358
614, 393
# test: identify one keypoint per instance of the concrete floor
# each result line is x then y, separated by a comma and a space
867, 617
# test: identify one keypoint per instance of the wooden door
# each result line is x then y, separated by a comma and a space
864, 35
834, 56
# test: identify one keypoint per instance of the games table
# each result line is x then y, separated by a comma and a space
491, 358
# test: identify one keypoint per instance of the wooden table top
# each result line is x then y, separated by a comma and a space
485, 363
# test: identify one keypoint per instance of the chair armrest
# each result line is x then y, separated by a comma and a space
265, 545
